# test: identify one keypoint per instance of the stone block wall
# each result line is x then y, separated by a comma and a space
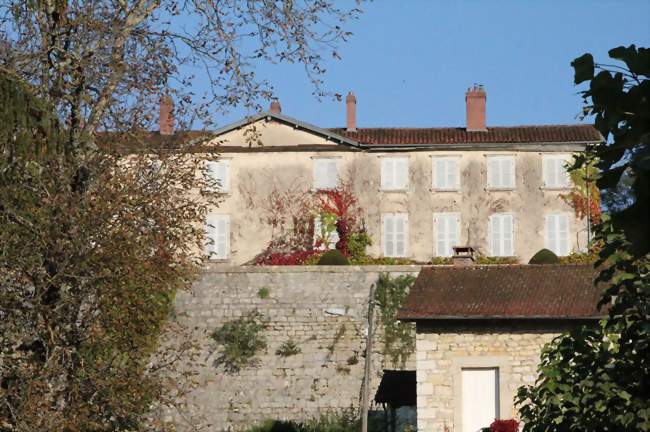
322, 308
443, 349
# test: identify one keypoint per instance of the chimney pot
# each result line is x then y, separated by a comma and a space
475, 101
463, 256
275, 107
351, 111
166, 116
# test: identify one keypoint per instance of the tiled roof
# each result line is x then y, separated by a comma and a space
494, 135
503, 292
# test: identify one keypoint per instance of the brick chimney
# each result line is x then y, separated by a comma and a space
351, 111
275, 107
463, 256
475, 100
166, 118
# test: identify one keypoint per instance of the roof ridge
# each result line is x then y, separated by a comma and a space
550, 125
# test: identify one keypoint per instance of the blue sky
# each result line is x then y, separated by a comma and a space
410, 62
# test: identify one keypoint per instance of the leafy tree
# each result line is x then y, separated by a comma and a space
598, 378
98, 227
93, 247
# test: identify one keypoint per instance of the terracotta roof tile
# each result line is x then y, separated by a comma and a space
494, 135
503, 291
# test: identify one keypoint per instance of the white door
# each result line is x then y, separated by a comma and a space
480, 396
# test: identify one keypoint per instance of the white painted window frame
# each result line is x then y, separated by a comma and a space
437, 218
502, 240
213, 237
511, 184
214, 167
384, 174
325, 184
384, 234
560, 250
559, 160
445, 160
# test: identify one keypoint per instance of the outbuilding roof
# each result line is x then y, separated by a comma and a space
503, 292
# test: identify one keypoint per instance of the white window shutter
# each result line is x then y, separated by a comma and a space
402, 173
493, 172
453, 174
389, 233
508, 172
447, 233
548, 171
218, 231
209, 237
563, 235
386, 173
551, 233
325, 174
440, 173
563, 175
454, 239
400, 231
508, 234
332, 174
495, 235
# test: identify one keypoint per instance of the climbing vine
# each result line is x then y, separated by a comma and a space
399, 337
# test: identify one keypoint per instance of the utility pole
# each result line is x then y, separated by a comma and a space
366, 372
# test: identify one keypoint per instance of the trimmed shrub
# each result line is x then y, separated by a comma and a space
333, 257
544, 256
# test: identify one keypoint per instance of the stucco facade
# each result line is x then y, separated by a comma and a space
268, 154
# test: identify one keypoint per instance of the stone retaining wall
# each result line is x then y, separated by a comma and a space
322, 308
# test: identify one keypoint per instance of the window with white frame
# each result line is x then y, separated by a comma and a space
501, 231
326, 174
446, 172
556, 234
220, 172
395, 234
394, 173
501, 172
328, 238
446, 231
554, 171
218, 236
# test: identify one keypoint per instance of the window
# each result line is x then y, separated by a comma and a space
554, 171
218, 236
557, 234
220, 171
501, 172
396, 233
501, 235
394, 173
446, 231
446, 173
326, 175
329, 238
480, 397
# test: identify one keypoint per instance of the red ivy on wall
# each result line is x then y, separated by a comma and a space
342, 203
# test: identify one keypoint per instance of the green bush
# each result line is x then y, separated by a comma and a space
357, 244
333, 257
263, 293
347, 420
483, 260
241, 340
544, 256
288, 348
